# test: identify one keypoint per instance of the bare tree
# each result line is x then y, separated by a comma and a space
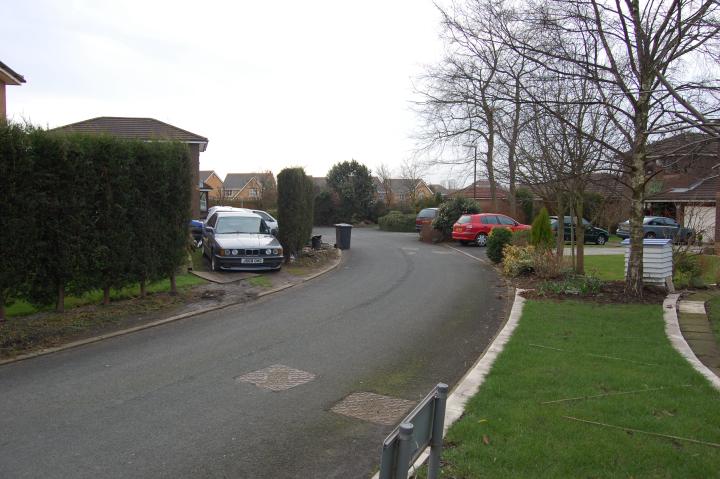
411, 173
384, 175
637, 57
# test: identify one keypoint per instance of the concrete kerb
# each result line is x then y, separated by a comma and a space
160, 322
672, 330
470, 383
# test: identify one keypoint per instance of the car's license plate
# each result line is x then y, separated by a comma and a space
251, 260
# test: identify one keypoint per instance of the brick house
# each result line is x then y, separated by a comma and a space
149, 129
400, 190
246, 186
7, 77
213, 182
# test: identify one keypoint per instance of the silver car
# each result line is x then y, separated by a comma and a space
658, 227
240, 241
269, 220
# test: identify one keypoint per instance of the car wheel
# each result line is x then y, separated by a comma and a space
213, 262
600, 240
650, 235
463, 242
481, 239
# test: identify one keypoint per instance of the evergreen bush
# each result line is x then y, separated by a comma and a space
398, 222
499, 237
541, 235
450, 211
295, 210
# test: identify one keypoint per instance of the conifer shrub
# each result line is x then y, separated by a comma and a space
499, 237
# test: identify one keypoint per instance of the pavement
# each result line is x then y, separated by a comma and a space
257, 390
696, 330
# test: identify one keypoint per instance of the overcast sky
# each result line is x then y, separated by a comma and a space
270, 84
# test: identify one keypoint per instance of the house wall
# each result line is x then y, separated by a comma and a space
245, 192
702, 220
216, 184
3, 111
195, 179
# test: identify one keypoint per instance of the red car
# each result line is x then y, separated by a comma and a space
476, 228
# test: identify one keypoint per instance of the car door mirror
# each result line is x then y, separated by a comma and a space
209, 229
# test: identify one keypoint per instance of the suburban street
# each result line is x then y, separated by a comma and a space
395, 318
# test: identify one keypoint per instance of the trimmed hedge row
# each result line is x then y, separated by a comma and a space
80, 213
397, 221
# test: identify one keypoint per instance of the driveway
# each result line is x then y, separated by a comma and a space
181, 400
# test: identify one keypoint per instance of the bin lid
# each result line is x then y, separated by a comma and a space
649, 241
343, 225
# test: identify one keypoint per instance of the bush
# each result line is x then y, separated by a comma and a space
541, 235
520, 238
450, 211
687, 270
524, 199
518, 260
546, 264
397, 221
296, 194
573, 284
499, 237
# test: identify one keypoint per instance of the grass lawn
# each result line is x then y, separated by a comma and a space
713, 310
570, 349
22, 308
609, 267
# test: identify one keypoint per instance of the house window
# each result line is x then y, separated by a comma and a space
253, 193
203, 202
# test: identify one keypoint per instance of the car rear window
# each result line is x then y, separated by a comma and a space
464, 219
427, 213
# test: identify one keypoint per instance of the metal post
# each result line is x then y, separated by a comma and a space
403, 455
475, 172
437, 433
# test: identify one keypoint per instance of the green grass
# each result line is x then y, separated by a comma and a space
22, 308
260, 282
610, 267
507, 431
713, 309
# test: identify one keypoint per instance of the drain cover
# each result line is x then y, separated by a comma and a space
372, 407
276, 377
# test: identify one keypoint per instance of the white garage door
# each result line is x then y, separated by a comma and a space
701, 219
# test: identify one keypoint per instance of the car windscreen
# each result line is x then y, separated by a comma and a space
237, 224
264, 215
464, 219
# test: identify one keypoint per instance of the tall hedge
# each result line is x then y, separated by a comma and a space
16, 215
81, 213
296, 197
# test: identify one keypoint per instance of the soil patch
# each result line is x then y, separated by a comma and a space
609, 292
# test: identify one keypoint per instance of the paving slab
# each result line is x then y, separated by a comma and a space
692, 307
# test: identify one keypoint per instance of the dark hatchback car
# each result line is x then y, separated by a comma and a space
658, 227
426, 216
593, 234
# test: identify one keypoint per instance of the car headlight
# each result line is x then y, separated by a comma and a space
268, 251
275, 251
234, 252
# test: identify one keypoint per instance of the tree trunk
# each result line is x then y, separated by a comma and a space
173, 285
560, 231
143, 288
490, 162
580, 238
60, 305
106, 295
2, 308
512, 149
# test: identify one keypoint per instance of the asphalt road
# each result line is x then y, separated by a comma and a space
395, 318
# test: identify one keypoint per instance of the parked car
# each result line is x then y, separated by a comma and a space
658, 227
240, 241
196, 229
223, 208
593, 234
425, 217
476, 228
269, 220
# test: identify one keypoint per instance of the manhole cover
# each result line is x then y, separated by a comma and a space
372, 407
276, 378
